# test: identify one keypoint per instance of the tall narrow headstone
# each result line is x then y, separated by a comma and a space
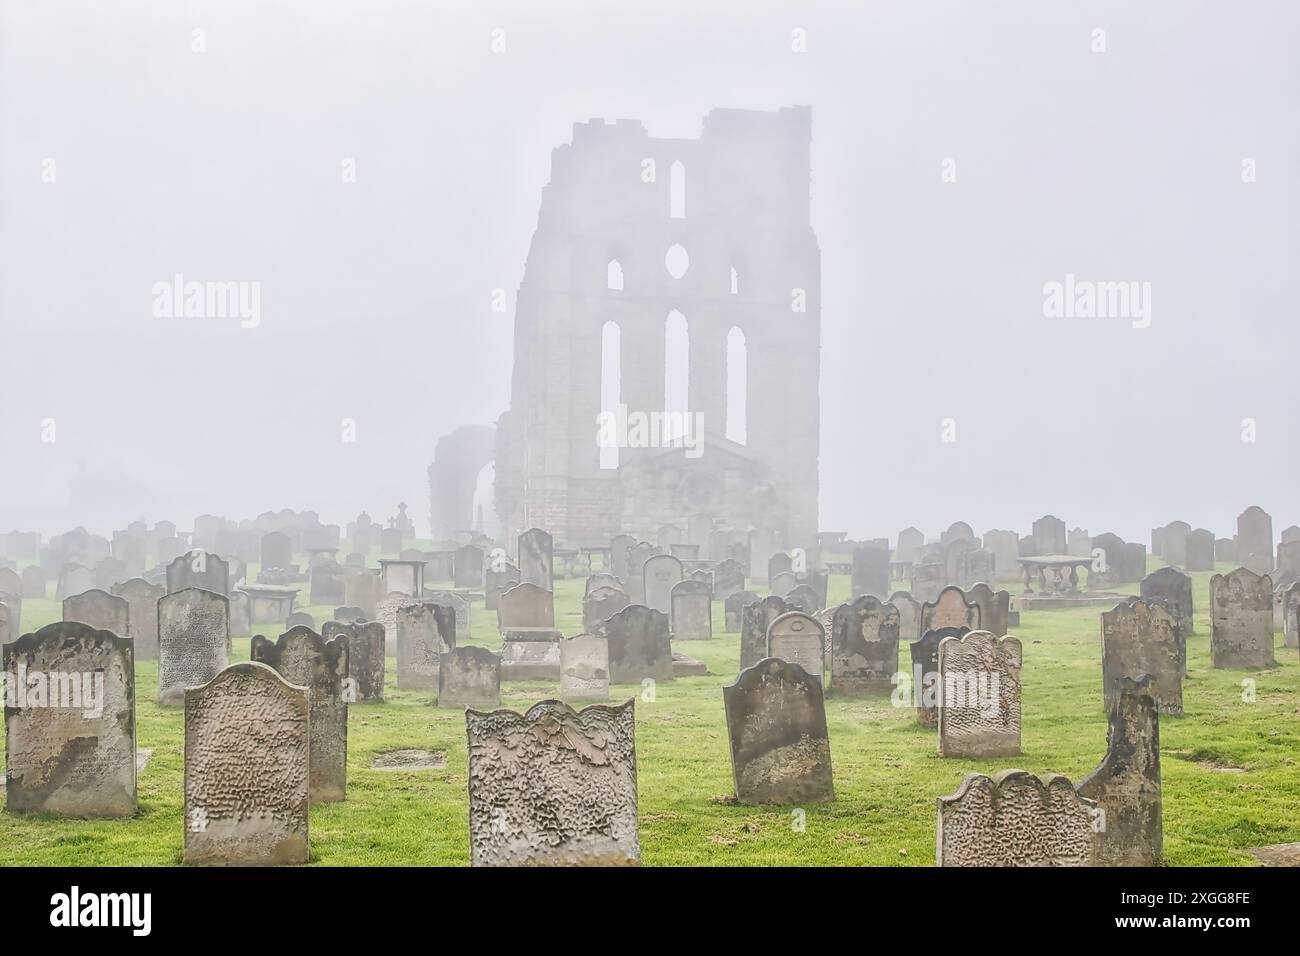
660, 574
979, 715
755, 619
1140, 637
193, 641
927, 685
366, 664
691, 616
142, 615
536, 558
870, 571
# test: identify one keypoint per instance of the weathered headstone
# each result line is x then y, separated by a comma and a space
732, 607
100, 610
691, 615
755, 619
328, 583
1016, 819
728, 578
247, 769
241, 614
142, 615
73, 579
468, 567
979, 715
584, 668
1291, 616
910, 541
553, 786
34, 582
1049, 535
1175, 588
1175, 543
927, 686
497, 579
198, 569
951, 608
864, 647
599, 604
457, 602
469, 676
1241, 620
1140, 637
909, 615
303, 658
639, 645
660, 574
277, 551
536, 558
1200, 550
776, 725
193, 641
928, 579
366, 645
782, 583
70, 722
1126, 785
1255, 540
424, 633
870, 571
798, 638
299, 619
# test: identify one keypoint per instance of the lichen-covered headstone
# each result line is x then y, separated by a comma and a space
366, 649
142, 615
1141, 637
979, 715
691, 617
424, 633
639, 645
864, 647
457, 602
70, 722
1175, 588
995, 607
469, 676
1016, 819
798, 638
193, 641
303, 658
927, 686
1241, 620
776, 725
755, 619
553, 786
247, 769
584, 667
1126, 785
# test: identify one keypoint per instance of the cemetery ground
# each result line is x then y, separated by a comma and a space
1230, 765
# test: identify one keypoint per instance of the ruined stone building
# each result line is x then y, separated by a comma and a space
675, 275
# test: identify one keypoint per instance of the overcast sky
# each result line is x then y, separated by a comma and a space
225, 164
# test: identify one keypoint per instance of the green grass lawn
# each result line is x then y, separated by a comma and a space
1231, 768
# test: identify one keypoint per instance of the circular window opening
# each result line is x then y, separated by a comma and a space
677, 261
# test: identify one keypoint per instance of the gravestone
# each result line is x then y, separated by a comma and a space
599, 605
870, 571
328, 583
6, 631
928, 580
276, 551
1175, 588
584, 668
1126, 785
70, 722
732, 607
457, 602
193, 641
1200, 550
1016, 819
864, 647
955, 553
1288, 560
1255, 540
950, 609
619, 548
660, 574
304, 659
1290, 618
1005, 546
1078, 543
100, 610
111, 571
34, 582
798, 638
909, 615
779, 563
995, 608
637, 556
1241, 620
979, 715
976, 565
776, 727
1140, 637
73, 579
241, 614
1225, 551
467, 565
536, 559
927, 687
803, 598
691, 614
247, 769
669, 535
910, 541
553, 786
755, 619
639, 645
198, 569
424, 633
364, 589
469, 676
783, 583
1049, 535
142, 615
1175, 543
366, 664
728, 578
299, 619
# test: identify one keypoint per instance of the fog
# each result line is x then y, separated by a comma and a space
1131, 164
